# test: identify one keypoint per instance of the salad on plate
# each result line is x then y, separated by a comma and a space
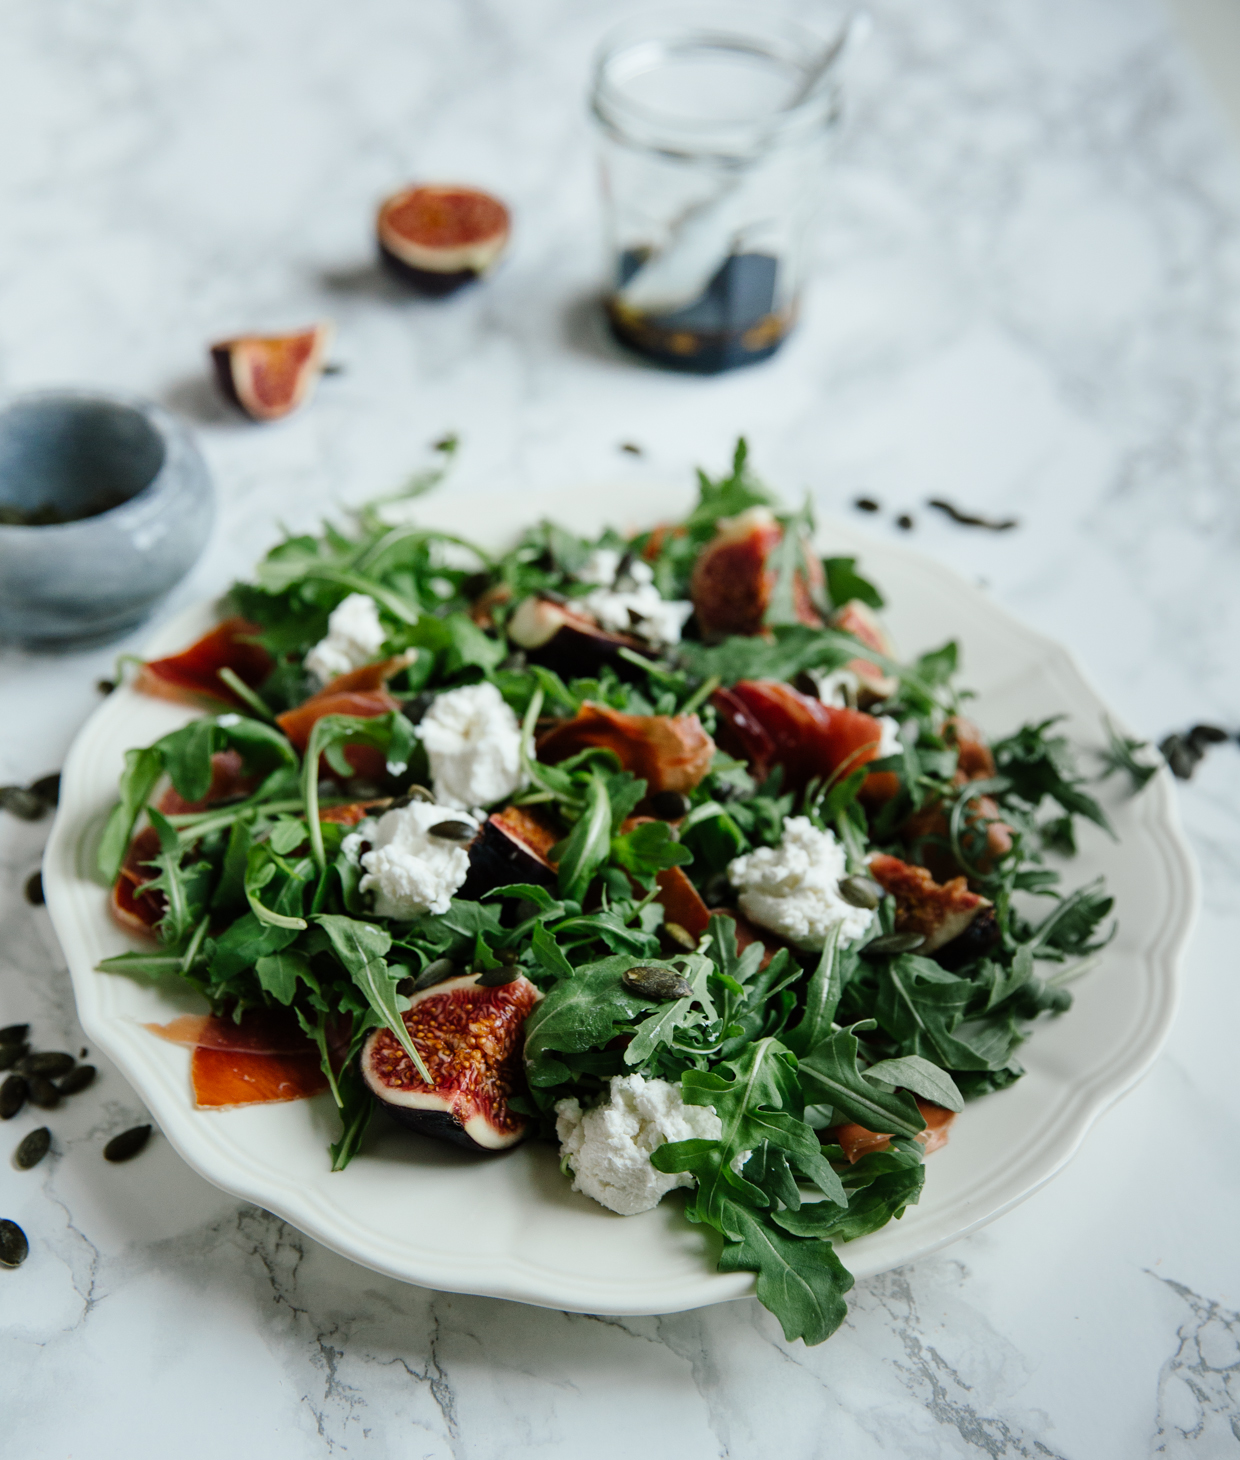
647, 845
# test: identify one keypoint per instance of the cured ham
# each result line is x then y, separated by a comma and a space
669, 752
361, 693
261, 1059
856, 1141
769, 724
939, 912
193, 675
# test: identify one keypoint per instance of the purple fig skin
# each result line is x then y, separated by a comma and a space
498, 857
426, 281
978, 938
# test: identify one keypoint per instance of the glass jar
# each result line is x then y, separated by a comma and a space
715, 135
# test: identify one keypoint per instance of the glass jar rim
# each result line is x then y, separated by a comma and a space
643, 43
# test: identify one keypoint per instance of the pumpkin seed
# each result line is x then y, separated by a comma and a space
126, 1146
454, 831
669, 805
12, 1096
656, 983
33, 1148
414, 793
10, 1054
77, 1080
13, 1244
861, 891
22, 803
496, 978
105, 686
893, 943
680, 935
51, 1062
41, 1092
14, 1033
433, 973
47, 788
34, 889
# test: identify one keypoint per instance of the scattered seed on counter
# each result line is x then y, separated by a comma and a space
47, 789
41, 1092
32, 1148
34, 889
50, 1062
905, 522
12, 1096
83, 1052
13, 1244
105, 686
20, 802
11, 1054
14, 1033
867, 504
128, 1144
1185, 752
631, 448
77, 1080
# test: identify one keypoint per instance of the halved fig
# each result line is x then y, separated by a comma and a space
768, 723
859, 620
669, 752
732, 581
569, 641
194, 673
514, 845
470, 1039
269, 376
439, 237
940, 912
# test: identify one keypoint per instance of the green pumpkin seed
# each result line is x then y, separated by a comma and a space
861, 892
893, 943
656, 983
12, 1096
680, 935
33, 1148
41, 1092
77, 1080
13, 1244
414, 793
496, 978
454, 831
433, 973
669, 805
50, 1062
126, 1146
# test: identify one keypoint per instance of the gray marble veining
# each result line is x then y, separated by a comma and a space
1026, 300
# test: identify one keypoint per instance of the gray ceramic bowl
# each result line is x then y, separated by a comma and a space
83, 582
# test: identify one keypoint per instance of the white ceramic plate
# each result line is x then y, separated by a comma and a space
511, 1226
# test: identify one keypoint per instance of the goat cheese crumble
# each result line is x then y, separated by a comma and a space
473, 741
633, 605
608, 1147
889, 744
354, 637
409, 871
793, 889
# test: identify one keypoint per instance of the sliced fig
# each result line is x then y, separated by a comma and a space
732, 583
269, 376
514, 845
569, 641
859, 620
941, 912
669, 752
470, 1038
439, 237
768, 723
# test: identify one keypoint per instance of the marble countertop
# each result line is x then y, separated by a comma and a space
1026, 299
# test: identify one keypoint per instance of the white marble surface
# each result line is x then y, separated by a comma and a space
1027, 300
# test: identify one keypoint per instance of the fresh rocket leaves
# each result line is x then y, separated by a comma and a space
251, 855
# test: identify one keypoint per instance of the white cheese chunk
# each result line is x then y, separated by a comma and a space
354, 637
608, 1147
793, 889
473, 741
409, 871
890, 742
838, 687
634, 606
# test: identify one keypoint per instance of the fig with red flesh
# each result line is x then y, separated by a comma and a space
733, 581
514, 845
568, 641
269, 376
947, 915
439, 237
859, 620
470, 1037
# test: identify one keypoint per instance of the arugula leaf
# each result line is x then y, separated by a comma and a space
278, 974
912, 1072
844, 584
831, 1076
143, 769
586, 847
802, 1282
583, 1012
1121, 755
647, 850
